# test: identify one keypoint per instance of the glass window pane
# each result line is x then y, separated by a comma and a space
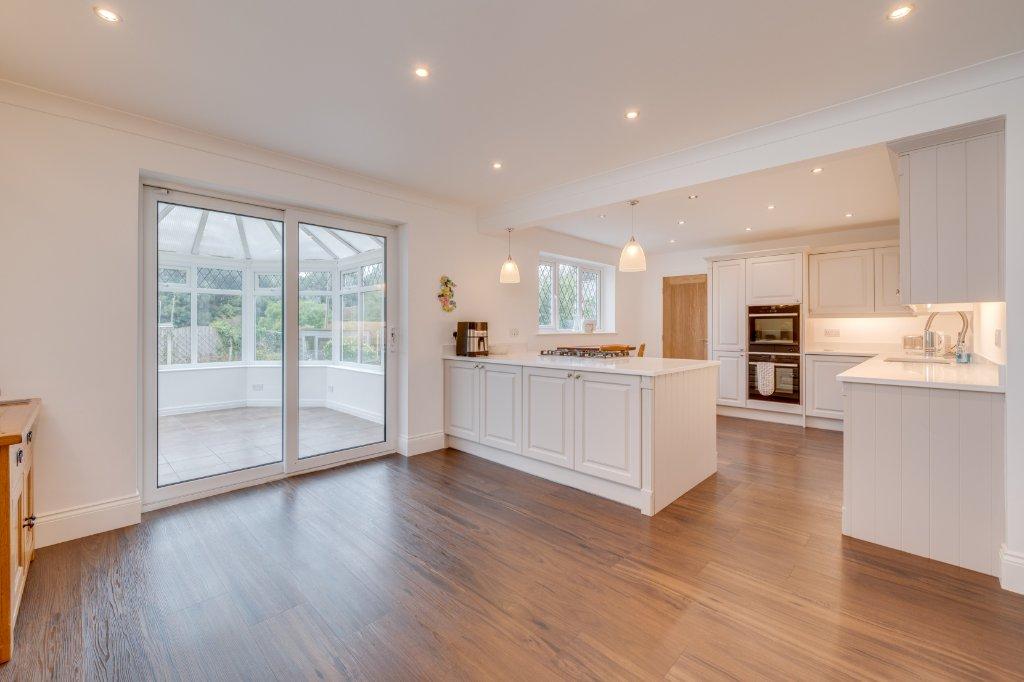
220, 236
590, 295
349, 279
174, 328
350, 327
568, 281
177, 227
269, 328
315, 281
219, 327
269, 281
172, 276
373, 274
315, 327
218, 278
544, 294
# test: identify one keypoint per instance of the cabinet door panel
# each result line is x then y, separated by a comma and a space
732, 379
728, 299
548, 415
984, 209
462, 403
775, 280
501, 406
887, 281
951, 222
922, 167
608, 427
842, 282
824, 395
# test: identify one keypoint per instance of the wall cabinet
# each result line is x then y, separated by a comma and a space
823, 395
775, 280
952, 215
728, 303
483, 403
17, 488
732, 378
855, 282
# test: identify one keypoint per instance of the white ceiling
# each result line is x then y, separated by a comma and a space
540, 85
859, 181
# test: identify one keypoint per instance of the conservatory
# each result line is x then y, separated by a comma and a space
220, 340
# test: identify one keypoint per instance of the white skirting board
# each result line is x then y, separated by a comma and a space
761, 415
632, 497
78, 522
417, 445
1011, 574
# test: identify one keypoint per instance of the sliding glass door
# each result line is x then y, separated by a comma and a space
266, 349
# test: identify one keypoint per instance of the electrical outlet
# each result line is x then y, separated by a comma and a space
831, 331
513, 332
999, 338
257, 387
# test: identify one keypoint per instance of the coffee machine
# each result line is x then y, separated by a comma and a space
471, 339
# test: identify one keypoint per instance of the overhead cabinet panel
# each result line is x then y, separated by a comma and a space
842, 282
775, 280
984, 191
729, 312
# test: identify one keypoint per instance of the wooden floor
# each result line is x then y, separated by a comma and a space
447, 566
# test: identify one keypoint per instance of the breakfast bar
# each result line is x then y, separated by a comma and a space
637, 430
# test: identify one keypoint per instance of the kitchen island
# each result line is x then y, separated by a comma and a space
923, 459
640, 431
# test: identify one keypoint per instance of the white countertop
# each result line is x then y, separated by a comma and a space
980, 375
867, 350
647, 367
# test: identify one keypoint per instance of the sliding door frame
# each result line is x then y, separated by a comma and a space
154, 497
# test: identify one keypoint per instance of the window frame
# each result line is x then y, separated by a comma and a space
361, 289
555, 263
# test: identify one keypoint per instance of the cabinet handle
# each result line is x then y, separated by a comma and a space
29, 522
569, 375
28, 436
20, 456
578, 376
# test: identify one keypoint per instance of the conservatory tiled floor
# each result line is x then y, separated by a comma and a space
206, 443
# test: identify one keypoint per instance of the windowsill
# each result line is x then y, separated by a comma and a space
271, 365
548, 332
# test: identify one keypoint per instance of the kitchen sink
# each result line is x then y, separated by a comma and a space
922, 359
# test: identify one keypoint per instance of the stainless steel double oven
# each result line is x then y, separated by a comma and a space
774, 338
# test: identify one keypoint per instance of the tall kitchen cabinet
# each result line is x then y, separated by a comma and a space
729, 329
952, 214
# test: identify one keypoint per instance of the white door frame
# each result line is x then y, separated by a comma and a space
154, 497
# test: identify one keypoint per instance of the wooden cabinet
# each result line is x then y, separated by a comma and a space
607, 426
483, 403
823, 395
732, 378
952, 215
549, 431
842, 282
855, 282
17, 433
775, 280
728, 303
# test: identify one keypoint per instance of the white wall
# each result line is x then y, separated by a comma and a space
989, 318
69, 188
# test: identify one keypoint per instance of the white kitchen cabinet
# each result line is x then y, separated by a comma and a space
823, 395
483, 403
841, 282
607, 421
462, 399
732, 378
501, 406
775, 280
728, 301
887, 281
548, 414
952, 215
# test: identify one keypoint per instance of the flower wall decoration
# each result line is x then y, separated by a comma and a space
446, 295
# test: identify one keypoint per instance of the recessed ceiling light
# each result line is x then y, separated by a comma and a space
107, 14
749, 229
817, 170
632, 114
900, 12
496, 165
849, 215
602, 216
421, 72
771, 207
671, 241
692, 196
682, 222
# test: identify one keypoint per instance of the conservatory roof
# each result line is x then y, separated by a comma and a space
193, 231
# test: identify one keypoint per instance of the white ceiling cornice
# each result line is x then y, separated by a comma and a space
827, 131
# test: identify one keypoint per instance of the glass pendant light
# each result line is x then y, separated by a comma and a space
509, 269
632, 258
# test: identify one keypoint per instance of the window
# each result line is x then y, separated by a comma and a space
268, 317
362, 314
568, 295
218, 315
315, 320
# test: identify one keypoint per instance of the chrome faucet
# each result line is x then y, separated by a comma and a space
961, 338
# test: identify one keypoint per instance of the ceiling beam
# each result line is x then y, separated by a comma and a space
165, 211
344, 241
318, 242
273, 231
199, 232
242, 238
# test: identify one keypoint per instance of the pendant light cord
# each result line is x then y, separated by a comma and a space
509, 242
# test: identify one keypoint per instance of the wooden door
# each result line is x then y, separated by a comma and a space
501, 406
684, 321
548, 415
607, 414
729, 304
